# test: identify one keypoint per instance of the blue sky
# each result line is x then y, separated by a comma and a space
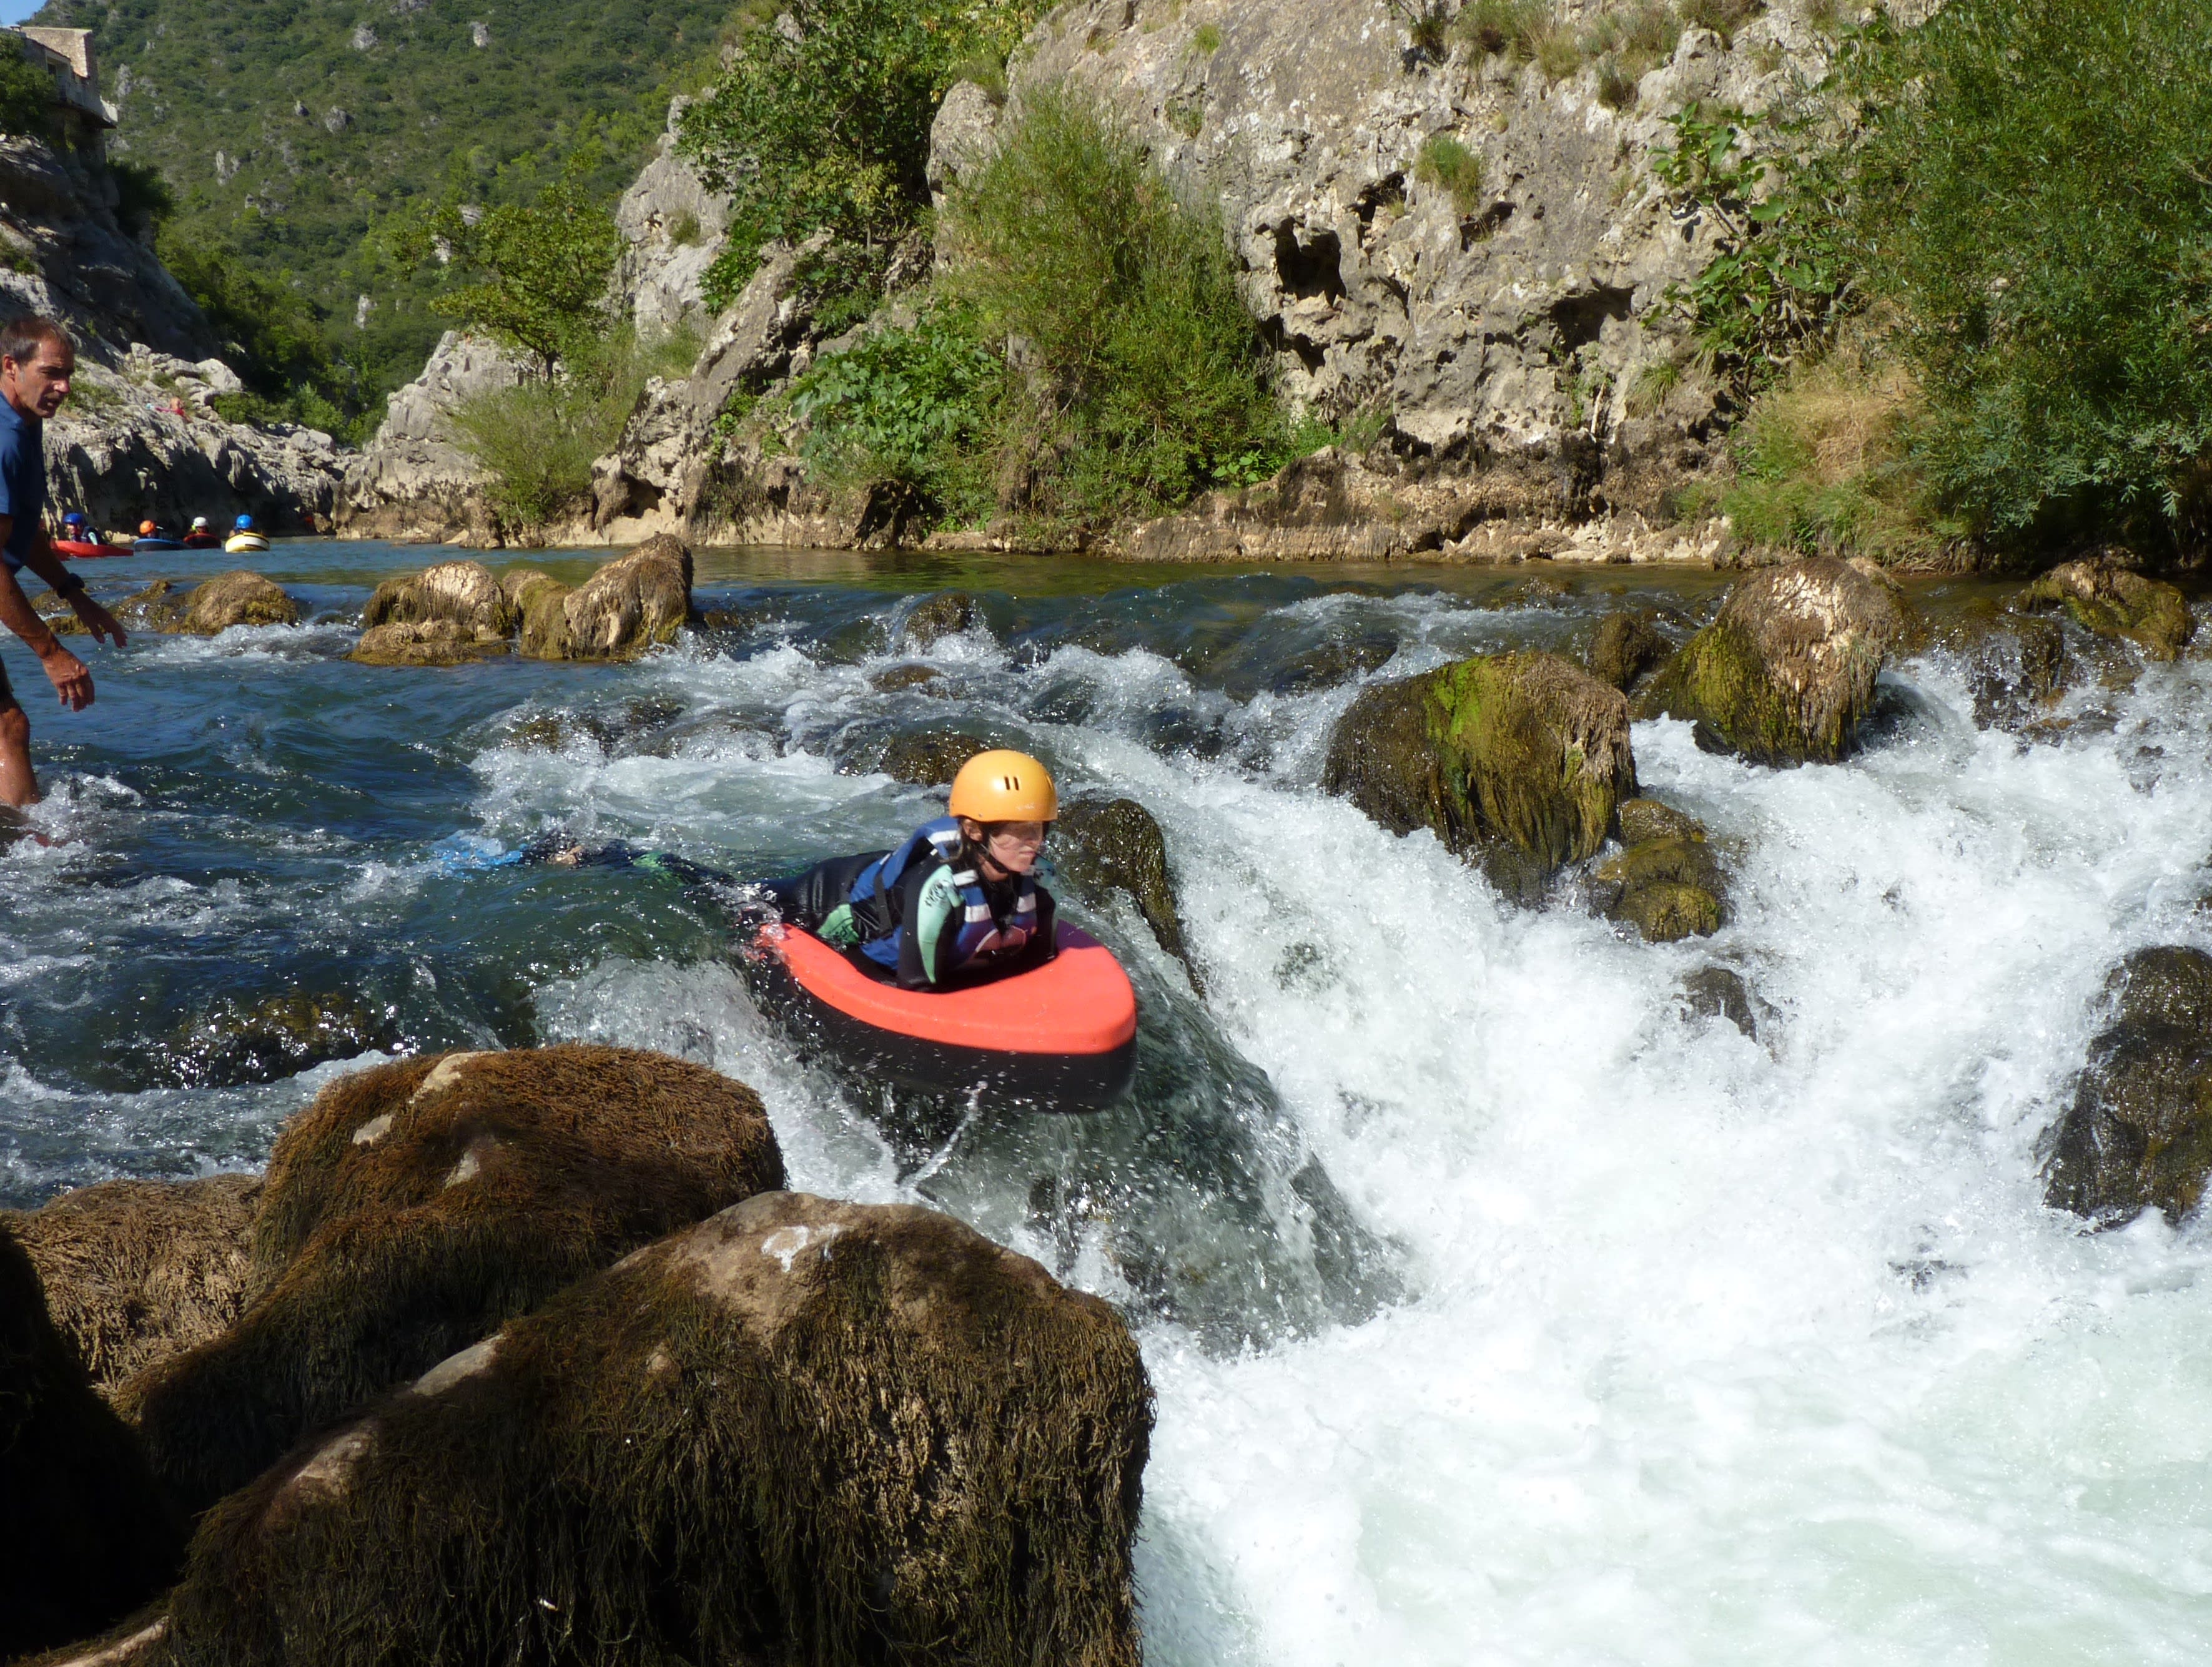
15, 11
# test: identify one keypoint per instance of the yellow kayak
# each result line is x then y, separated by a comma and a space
245, 543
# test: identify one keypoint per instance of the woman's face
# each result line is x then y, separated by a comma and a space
1012, 847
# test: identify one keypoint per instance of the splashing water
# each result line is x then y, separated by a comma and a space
1501, 1308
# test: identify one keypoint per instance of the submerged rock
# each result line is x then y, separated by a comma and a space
1666, 880
234, 598
432, 643
633, 603
1719, 992
2139, 1134
946, 614
85, 1538
927, 758
1518, 760
1786, 673
2019, 674
1625, 651
415, 1206
1115, 844
799, 1432
137, 1272
2103, 597
240, 1042
904, 679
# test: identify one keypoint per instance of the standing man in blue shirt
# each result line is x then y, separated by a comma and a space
36, 362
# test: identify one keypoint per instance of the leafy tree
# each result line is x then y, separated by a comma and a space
822, 121
2035, 202
536, 273
26, 93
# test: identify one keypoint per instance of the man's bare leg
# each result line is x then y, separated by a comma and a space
18, 787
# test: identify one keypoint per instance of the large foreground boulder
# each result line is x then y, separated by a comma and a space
443, 615
800, 1432
635, 602
1786, 673
2139, 1134
84, 1536
1518, 760
415, 1206
137, 1272
2110, 600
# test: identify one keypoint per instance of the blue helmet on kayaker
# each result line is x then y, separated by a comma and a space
74, 519
243, 523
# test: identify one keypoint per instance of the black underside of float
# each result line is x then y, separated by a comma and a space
1067, 1082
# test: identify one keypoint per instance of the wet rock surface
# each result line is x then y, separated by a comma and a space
232, 598
236, 1040
137, 1272
632, 603
85, 1537
800, 1431
1666, 880
946, 614
2139, 1133
2107, 599
1626, 648
1115, 844
413, 1206
1785, 674
1517, 761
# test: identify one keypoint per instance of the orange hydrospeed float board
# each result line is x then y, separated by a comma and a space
1062, 1036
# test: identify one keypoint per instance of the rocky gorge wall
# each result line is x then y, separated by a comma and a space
1514, 348
140, 436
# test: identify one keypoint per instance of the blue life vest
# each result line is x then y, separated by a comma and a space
874, 901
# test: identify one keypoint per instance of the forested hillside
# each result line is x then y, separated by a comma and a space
291, 134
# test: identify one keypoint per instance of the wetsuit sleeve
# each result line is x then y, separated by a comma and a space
928, 947
1046, 944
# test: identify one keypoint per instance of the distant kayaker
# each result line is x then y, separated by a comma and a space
37, 361
958, 901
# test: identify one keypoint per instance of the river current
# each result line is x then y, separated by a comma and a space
1502, 1308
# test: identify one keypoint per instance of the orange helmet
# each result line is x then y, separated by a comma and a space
145, 529
1005, 787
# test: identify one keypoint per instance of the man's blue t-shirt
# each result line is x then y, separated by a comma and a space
22, 481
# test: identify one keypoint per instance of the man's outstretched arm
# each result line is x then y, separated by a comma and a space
64, 670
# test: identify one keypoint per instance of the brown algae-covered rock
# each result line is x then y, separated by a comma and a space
1518, 760
2111, 601
85, 1537
2139, 1134
1625, 651
415, 1206
1115, 844
946, 614
1785, 674
137, 1272
463, 592
799, 1432
239, 598
632, 603
1666, 880
428, 643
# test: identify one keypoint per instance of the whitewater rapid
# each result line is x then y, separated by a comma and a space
1609, 1333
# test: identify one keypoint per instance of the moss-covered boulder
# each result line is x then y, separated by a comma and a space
85, 1538
1665, 880
1518, 760
633, 603
447, 615
919, 758
1626, 648
800, 1432
1786, 673
138, 1272
415, 1206
945, 613
2105, 597
2139, 1134
432, 643
1115, 844
239, 598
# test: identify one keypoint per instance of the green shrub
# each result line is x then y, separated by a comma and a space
2036, 205
1511, 26
538, 441
1428, 24
1722, 18
1147, 380
1557, 53
1449, 165
825, 125
26, 93
1206, 39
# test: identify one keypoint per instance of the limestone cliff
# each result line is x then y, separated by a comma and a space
140, 436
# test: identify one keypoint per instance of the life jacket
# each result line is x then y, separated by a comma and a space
876, 917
